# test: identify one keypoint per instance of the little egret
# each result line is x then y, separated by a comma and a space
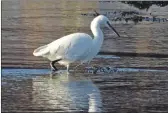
76, 47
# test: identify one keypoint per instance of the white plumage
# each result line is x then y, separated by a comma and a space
76, 47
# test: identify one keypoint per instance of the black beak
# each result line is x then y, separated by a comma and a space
97, 14
113, 28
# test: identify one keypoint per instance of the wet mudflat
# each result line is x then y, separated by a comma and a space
136, 82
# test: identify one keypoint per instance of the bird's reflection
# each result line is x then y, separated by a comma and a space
68, 93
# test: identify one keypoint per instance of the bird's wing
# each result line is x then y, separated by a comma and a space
73, 47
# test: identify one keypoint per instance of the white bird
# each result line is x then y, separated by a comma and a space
76, 47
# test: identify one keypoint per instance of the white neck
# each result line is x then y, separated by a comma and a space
97, 33
97, 39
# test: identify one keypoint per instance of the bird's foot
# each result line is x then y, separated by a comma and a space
53, 70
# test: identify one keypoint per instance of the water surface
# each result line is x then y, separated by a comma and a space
122, 91
139, 59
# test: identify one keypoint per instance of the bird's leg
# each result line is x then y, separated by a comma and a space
68, 68
53, 68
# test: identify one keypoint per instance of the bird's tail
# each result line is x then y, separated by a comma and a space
41, 51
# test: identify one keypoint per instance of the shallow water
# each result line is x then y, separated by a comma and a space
123, 91
132, 76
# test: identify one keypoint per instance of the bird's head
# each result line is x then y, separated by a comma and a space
104, 21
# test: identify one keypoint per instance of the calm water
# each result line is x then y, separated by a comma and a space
124, 91
137, 84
